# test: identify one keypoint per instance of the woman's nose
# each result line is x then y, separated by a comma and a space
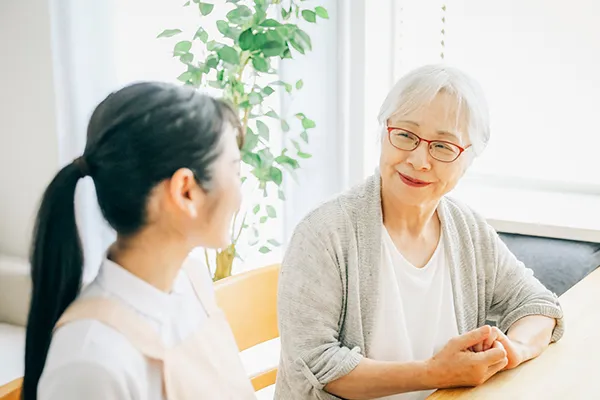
420, 158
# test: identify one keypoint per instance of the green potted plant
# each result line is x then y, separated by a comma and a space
239, 60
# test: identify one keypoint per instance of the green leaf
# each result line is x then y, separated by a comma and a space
215, 84
206, 8
272, 48
239, 15
169, 33
296, 145
309, 15
260, 63
182, 47
288, 161
304, 155
246, 39
223, 27
281, 195
187, 3
321, 12
256, 209
201, 34
270, 23
263, 129
213, 45
229, 55
266, 156
250, 141
303, 37
272, 114
254, 98
187, 58
276, 175
268, 90
264, 250
212, 61
285, 126
263, 219
308, 123
271, 212
186, 76
274, 36
285, 14
274, 242
288, 88
297, 46
304, 136
251, 159
299, 84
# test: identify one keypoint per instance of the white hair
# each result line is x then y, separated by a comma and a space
420, 86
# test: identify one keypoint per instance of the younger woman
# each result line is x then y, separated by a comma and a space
165, 163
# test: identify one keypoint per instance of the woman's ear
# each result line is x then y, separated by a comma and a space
185, 193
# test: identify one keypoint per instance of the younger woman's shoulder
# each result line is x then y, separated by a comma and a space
86, 359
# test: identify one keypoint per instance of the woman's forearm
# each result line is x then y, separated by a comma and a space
533, 333
372, 379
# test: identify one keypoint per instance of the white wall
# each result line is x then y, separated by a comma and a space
28, 139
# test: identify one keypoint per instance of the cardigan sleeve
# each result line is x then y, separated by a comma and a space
517, 293
310, 303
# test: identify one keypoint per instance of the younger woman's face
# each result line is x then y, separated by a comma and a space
224, 195
201, 213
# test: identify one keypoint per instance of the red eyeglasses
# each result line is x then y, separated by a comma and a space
440, 150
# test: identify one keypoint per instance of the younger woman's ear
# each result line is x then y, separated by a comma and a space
185, 192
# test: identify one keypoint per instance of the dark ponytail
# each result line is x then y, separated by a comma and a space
56, 271
137, 137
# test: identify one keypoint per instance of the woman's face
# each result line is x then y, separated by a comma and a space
224, 195
415, 177
201, 216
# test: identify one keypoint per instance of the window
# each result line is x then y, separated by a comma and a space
537, 62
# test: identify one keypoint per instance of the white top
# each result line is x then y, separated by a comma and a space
89, 360
415, 316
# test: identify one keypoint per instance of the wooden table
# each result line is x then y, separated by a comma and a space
569, 369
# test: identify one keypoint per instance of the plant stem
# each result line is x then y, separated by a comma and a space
233, 226
207, 261
241, 228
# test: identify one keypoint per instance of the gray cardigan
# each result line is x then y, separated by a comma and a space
329, 279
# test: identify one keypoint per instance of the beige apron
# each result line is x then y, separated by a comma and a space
205, 365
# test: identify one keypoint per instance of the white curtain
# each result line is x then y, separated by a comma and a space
84, 72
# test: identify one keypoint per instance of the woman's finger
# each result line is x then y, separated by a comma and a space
489, 342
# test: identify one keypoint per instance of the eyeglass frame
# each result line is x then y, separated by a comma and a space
460, 148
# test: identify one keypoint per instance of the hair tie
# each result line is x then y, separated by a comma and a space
83, 166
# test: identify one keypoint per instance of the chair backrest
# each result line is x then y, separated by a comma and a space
249, 301
12, 390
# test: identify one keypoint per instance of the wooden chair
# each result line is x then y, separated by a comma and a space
12, 390
249, 301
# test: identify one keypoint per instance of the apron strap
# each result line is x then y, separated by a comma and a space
192, 269
113, 314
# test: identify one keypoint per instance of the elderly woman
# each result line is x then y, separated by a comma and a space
385, 291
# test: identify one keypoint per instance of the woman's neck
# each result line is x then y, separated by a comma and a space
414, 220
153, 258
